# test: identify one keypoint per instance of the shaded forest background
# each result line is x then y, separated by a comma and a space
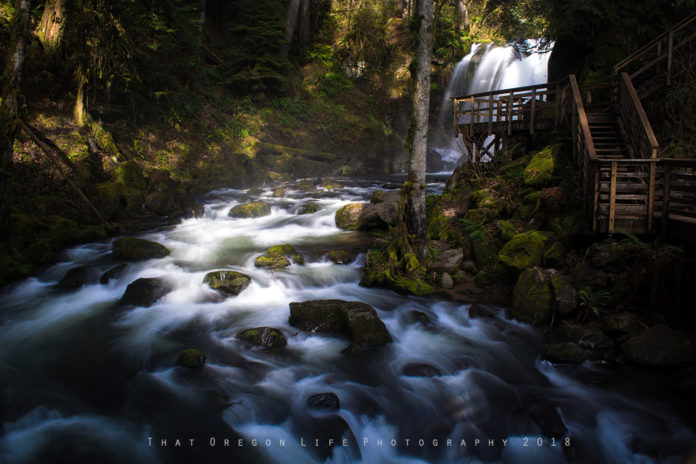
145, 104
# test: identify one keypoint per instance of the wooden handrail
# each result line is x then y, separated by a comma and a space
634, 119
647, 47
582, 118
506, 91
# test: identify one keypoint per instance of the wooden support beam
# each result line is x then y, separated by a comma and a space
595, 206
612, 197
666, 198
670, 54
651, 195
531, 119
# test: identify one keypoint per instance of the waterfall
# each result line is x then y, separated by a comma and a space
487, 67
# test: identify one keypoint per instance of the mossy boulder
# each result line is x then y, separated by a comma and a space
145, 292
356, 320
266, 337
162, 204
659, 346
480, 215
115, 200
539, 172
276, 257
138, 249
384, 269
252, 209
621, 324
75, 278
565, 353
553, 199
532, 298
555, 255
586, 276
130, 173
280, 192
515, 168
485, 198
564, 293
485, 252
380, 196
227, 282
191, 358
310, 207
507, 229
363, 216
524, 250
340, 257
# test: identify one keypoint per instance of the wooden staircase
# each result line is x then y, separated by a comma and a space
627, 187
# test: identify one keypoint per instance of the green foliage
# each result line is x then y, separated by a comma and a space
592, 301
474, 229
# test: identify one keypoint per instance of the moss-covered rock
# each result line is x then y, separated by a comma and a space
448, 261
555, 256
191, 358
266, 337
281, 250
276, 257
280, 192
162, 204
480, 215
507, 229
515, 168
564, 293
363, 216
310, 207
75, 278
485, 198
485, 252
586, 276
137, 249
532, 298
354, 319
227, 282
380, 196
659, 346
113, 273
116, 200
130, 173
145, 292
252, 209
385, 269
553, 199
272, 262
539, 172
340, 257
524, 250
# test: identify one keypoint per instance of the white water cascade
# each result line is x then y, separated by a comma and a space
487, 67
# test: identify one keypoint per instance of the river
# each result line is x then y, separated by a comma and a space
86, 380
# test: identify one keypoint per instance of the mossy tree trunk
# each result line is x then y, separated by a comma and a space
463, 15
52, 25
12, 78
290, 24
415, 190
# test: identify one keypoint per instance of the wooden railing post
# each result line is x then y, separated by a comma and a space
531, 121
612, 197
665, 199
670, 54
595, 206
651, 195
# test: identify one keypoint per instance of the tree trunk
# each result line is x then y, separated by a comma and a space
463, 14
290, 23
11, 92
303, 29
419, 143
52, 25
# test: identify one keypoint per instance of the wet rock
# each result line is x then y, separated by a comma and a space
564, 293
418, 317
227, 282
588, 337
276, 257
145, 292
507, 229
324, 401
75, 278
586, 276
361, 216
524, 250
469, 267
113, 273
193, 209
555, 256
446, 281
545, 415
254, 192
309, 208
380, 196
449, 261
162, 204
621, 324
420, 370
532, 297
191, 359
565, 353
659, 346
279, 192
266, 337
485, 253
354, 319
253, 209
476, 311
137, 249
613, 256
553, 199
340, 257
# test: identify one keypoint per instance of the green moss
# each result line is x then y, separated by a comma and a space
532, 297
485, 252
480, 215
131, 174
485, 199
515, 168
340, 257
281, 250
540, 170
274, 263
228, 282
191, 358
524, 250
251, 210
507, 229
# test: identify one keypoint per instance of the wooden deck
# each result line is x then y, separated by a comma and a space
627, 186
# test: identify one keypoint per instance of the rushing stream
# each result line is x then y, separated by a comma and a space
86, 380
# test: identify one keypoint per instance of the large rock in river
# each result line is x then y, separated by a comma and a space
354, 319
228, 282
532, 298
137, 249
659, 346
276, 257
363, 216
253, 209
449, 261
145, 292
266, 337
